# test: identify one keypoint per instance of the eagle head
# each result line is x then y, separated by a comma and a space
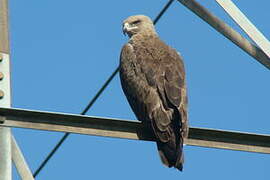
137, 24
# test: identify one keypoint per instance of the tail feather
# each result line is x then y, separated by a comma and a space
180, 160
171, 154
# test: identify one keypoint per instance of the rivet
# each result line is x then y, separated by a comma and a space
1, 76
1, 94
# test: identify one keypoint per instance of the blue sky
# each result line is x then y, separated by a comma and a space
63, 51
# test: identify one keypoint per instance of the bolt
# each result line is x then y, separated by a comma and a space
1, 94
1, 76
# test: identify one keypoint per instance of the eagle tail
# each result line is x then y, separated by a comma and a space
171, 155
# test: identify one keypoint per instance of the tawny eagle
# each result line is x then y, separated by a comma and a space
153, 79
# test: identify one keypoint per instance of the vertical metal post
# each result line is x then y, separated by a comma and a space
5, 98
5, 154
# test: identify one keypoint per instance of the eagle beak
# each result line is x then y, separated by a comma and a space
125, 28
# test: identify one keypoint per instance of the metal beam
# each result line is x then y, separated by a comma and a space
5, 100
19, 161
130, 130
227, 31
246, 25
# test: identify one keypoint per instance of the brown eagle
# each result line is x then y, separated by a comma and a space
153, 79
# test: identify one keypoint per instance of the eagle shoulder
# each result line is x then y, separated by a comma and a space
134, 83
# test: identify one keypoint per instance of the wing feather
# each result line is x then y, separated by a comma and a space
153, 80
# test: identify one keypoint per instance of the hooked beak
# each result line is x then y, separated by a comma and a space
125, 28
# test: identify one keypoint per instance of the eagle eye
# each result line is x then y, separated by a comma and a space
136, 22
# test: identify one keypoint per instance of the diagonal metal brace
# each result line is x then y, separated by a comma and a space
227, 31
19, 161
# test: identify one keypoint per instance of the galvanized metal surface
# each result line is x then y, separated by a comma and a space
1, 76
130, 130
2, 119
4, 42
227, 31
5, 100
2, 94
19, 161
5, 154
246, 25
